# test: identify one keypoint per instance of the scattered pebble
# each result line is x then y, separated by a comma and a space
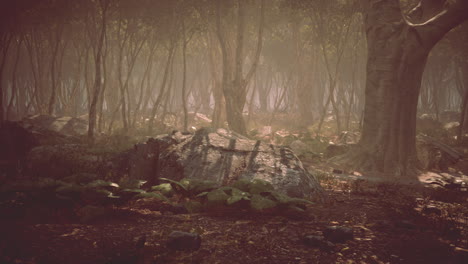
338, 234
179, 240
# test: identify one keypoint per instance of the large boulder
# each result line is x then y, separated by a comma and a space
15, 143
225, 157
217, 155
65, 125
59, 161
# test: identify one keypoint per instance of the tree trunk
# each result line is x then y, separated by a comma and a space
97, 79
184, 76
464, 104
14, 80
53, 94
233, 82
4, 46
397, 54
162, 90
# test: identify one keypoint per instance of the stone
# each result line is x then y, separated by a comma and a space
183, 241
15, 143
313, 241
450, 116
431, 209
318, 242
65, 125
461, 254
225, 157
299, 148
349, 137
59, 161
338, 234
427, 123
334, 150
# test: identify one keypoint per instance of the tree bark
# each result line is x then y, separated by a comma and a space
397, 54
53, 79
184, 75
98, 65
4, 46
233, 82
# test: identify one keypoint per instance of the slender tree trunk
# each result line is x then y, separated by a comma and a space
184, 75
162, 89
53, 94
14, 80
98, 65
464, 104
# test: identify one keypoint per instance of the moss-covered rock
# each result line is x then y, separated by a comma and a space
260, 203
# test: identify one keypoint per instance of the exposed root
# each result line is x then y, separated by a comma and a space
362, 160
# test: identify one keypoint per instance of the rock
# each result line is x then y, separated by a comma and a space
318, 241
426, 123
348, 137
384, 224
15, 142
179, 240
299, 148
265, 131
334, 150
338, 234
337, 171
450, 116
139, 242
461, 254
431, 209
59, 161
406, 224
313, 241
65, 125
75, 127
199, 119
224, 157
178, 209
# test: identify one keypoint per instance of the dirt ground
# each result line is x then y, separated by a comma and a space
390, 222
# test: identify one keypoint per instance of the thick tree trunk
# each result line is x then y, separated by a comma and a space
235, 96
464, 105
219, 111
397, 54
5, 41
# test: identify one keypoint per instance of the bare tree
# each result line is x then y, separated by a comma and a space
103, 6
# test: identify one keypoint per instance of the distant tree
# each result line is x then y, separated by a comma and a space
100, 21
234, 82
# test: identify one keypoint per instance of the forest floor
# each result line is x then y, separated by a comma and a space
391, 223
